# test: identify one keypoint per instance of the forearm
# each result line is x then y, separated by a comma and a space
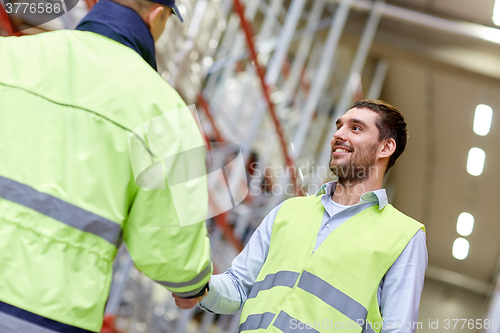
402, 288
226, 295
228, 291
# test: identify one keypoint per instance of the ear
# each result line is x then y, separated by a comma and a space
387, 148
157, 19
154, 16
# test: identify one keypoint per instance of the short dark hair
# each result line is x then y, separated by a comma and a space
390, 124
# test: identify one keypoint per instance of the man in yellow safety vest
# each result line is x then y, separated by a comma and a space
344, 259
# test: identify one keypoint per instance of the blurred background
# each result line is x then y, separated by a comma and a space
272, 76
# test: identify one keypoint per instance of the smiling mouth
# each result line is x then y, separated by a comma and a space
340, 150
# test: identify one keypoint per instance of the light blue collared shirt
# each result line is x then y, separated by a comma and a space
398, 293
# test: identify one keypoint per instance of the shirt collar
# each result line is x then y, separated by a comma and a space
379, 196
123, 25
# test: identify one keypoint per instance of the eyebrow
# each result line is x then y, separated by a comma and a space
353, 120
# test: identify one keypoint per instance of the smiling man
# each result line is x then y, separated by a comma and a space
344, 259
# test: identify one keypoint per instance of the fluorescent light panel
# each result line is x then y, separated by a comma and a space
460, 248
475, 161
465, 224
482, 119
496, 13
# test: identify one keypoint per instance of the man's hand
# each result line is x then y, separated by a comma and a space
188, 303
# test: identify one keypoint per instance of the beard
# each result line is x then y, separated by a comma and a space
357, 168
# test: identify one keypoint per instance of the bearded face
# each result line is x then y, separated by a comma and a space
352, 165
355, 146
357, 149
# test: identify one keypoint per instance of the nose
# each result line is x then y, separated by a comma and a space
338, 136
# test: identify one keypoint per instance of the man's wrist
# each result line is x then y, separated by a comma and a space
202, 292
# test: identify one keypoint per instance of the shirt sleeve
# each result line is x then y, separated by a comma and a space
229, 290
402, 287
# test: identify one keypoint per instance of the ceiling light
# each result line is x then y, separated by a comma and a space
460, 248
482, 119
496, 13
490, 34
475, 161
465, 224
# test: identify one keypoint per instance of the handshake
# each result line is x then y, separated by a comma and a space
188, 303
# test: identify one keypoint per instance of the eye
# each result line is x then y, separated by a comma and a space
356, 128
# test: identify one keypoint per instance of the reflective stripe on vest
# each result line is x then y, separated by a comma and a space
312, 284
283, 278
283, 322
256, 321
334, 297
288, 324
12, 324
60, 210
16, 320
207, 270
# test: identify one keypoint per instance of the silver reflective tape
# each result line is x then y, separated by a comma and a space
333, 297
190, 293
12, 324
59, 210
194, 280
256, 321
288, 324
283, 278
367, 329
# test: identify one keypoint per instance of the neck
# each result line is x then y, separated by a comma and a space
123, 25
349, 192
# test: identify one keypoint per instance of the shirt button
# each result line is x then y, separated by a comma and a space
328, 226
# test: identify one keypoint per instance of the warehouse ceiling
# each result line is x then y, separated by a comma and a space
477, 11
437, 79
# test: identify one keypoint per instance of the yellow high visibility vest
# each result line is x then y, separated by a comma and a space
334, 288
